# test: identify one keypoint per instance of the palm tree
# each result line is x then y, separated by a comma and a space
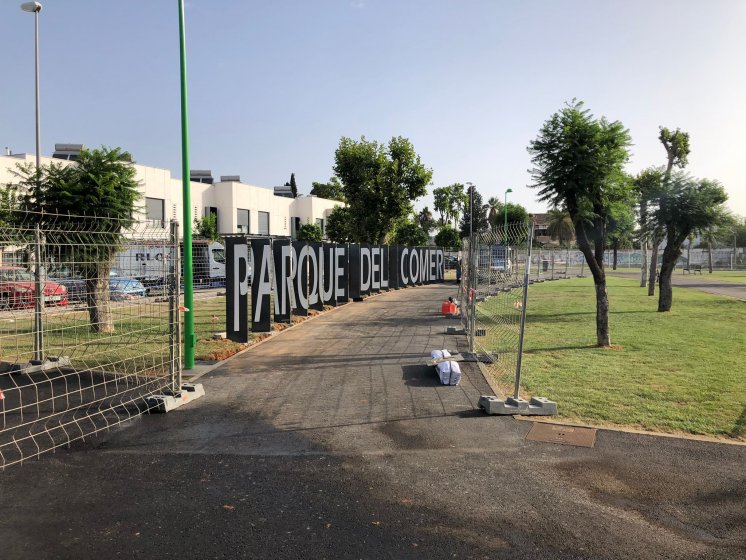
426, 220
495, 207
561, 226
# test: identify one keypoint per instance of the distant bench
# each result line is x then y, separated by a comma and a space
692, 268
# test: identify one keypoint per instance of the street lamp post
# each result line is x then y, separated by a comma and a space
35, 8
505, 230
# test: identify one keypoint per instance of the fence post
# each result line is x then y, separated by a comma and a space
523, 313
39, 285
472, 292
174, 288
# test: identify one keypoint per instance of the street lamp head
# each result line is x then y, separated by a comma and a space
509, 190
33, 7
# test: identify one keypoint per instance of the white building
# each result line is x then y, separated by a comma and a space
240, 207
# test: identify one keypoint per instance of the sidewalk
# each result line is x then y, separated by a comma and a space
333, 440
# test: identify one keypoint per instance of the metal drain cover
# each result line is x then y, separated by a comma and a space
565, 435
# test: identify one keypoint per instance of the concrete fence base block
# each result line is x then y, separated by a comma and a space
537, 406
454, 330
541, 406
34, 366
168, 401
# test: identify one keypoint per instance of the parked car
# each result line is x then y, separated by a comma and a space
126, 288
120, 288
17, 289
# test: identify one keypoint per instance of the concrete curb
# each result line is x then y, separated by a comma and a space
622, 429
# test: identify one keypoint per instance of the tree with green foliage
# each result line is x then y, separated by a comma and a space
578, 165
448, 237
94, 201
293, 186
426, 220
409, 232
560, 226
676, 145
450, 202
517, 214
621, 228
331, 190
380, 183
684, 205
479, 211
645, 185
207, 227
338, 228
310, 233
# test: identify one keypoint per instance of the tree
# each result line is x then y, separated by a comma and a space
683, 206
426, 220
620, 228
475, 206
409, 232
450, 202
207, 227
578, 164
495, 208
676, 145
440, 203
331, 190
449, 237
560, 226
380, 182
646, 184
496, 213
310, 233
98, 195
338, 227
293, 186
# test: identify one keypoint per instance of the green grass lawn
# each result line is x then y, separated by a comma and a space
679, 371
140, 340
737, 276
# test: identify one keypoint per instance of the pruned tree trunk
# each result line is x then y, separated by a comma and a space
689, 253
709, 256
616, 249
653, 266
644, 264
98, 300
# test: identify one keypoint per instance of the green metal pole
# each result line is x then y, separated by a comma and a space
189, 337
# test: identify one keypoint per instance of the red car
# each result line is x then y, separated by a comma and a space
17, 289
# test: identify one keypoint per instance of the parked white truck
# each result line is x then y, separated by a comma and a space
149, 262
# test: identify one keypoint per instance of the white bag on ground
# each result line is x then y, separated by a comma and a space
448, 372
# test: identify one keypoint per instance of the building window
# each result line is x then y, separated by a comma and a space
294, 227
242, 220
263, 223
155, 209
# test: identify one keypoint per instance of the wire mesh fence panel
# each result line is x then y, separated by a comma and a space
88, 326
494, 299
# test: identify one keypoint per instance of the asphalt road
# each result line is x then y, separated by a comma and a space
332, 440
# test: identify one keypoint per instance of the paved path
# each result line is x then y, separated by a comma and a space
334, 441
702, 282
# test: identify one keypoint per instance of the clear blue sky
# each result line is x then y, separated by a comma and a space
274, 85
